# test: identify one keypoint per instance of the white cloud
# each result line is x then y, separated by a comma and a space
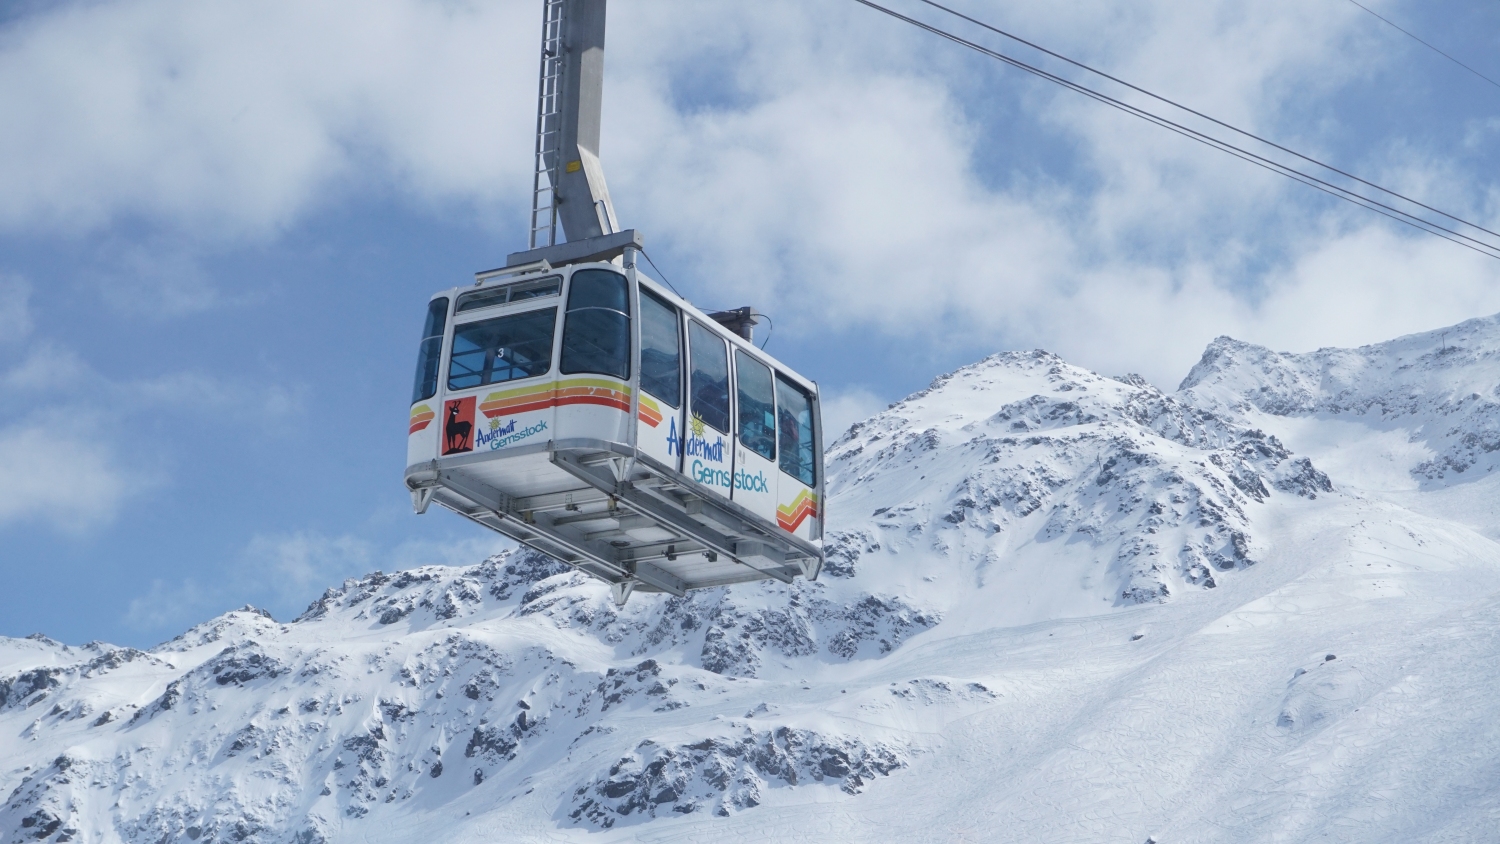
39, 373
303, 563
61, 465
239, 116
463, 552
842, 408
166, 605
159, 279
51, 474
295, 565
284, 572
15, 308
821, 158
855, 197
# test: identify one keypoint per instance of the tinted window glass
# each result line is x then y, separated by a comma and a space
710, 378
437, 318
661, 351
795, 424
596, 336
502, 349
430, 353
483, 299
598, 289
490, 296
757, 410
536, 289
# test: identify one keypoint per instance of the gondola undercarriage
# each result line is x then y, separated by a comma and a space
616, 514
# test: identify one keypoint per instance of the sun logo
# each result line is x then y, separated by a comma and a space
696, 426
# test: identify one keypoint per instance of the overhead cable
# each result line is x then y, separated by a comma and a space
662, 275
1484, 247
1195, 112
1413, 37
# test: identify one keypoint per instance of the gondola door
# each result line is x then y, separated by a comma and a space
708, 449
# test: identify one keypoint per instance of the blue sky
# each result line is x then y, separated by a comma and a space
219, 223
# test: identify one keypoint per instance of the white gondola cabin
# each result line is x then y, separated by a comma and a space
590, 413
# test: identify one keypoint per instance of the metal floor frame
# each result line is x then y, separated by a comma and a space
630, 490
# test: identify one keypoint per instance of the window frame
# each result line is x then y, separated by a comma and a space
509, 289
442, 347
553, 351
813, 429
692, 396
677, 334
567, 310
738, 414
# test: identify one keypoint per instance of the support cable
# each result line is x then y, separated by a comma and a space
659, 274
1195, 112
1413, 37
1483, 247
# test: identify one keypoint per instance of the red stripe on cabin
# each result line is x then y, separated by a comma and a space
613, 399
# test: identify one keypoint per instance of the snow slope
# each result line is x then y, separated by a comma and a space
1058, 607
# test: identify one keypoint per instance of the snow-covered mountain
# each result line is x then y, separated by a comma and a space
1058, 607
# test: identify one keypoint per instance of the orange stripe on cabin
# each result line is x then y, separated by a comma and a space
561, 394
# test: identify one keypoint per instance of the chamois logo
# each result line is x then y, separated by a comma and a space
458, 427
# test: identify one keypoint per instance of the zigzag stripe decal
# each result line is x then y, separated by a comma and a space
791, 516
421, 416
650, 412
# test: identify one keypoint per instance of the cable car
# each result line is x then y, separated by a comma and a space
571, 403
589, 412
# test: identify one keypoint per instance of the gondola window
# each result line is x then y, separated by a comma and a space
757, 408
430, 353
492, 351
596, 336
710, 378
509, 293
795, 421
661, 351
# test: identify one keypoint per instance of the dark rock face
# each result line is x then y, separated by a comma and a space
28, 687
241, 665
498, 743
645, 681
723, 775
